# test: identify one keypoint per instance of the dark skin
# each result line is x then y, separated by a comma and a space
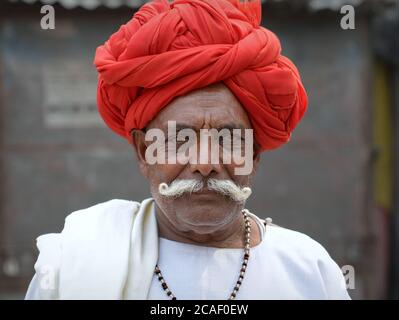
206, 218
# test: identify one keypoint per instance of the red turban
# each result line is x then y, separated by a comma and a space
169, 49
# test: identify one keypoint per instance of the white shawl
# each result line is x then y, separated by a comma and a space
89, 259
109, 251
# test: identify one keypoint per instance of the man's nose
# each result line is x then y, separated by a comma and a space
207, 161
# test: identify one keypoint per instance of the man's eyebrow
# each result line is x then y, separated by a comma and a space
229, 126
181, 126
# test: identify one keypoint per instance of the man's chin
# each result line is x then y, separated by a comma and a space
203, 226
204, 212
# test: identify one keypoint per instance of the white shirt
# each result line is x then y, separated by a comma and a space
284, 265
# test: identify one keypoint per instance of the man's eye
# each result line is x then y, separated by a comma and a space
171, 140
225, 142
184, 139
177, 141
229, 140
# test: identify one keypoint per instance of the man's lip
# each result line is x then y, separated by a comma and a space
204, 191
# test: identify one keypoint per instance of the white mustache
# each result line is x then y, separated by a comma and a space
225, 187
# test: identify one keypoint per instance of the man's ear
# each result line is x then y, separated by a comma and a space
138, 138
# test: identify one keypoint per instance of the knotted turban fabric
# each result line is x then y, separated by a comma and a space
171, 48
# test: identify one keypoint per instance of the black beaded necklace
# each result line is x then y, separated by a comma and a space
243, 265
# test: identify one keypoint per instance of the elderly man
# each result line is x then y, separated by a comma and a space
173, 72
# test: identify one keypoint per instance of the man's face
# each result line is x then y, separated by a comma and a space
206, 211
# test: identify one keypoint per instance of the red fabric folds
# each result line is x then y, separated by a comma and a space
169, 49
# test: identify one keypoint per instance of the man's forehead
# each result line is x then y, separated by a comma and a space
214, 93
223, 125
214, 106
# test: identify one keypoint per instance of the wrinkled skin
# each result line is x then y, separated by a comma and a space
206, 218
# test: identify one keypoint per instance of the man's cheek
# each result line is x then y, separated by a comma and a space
166, 172
242, 180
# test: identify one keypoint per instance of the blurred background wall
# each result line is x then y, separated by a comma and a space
335, 180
